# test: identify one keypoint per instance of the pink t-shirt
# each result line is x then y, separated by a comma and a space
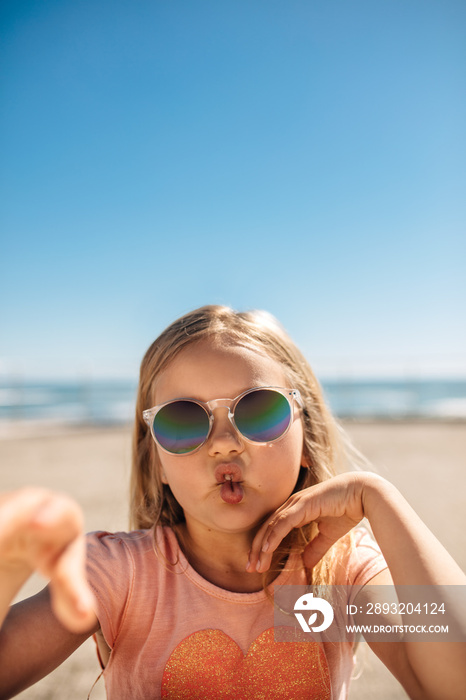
175, 635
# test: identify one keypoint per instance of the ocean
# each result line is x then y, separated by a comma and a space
112, 402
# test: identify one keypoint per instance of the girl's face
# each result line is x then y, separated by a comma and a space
265, 475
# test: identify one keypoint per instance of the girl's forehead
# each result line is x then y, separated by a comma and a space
207, 370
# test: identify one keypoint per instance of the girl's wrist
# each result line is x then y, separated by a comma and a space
13, 576
375, 490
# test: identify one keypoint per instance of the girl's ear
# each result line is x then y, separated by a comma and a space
305, 461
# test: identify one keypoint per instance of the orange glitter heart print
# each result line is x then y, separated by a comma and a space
209, 665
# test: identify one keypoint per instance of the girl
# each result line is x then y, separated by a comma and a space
240, 482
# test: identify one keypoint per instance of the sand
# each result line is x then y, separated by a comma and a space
425, 460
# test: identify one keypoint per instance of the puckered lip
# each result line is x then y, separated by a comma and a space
228, 471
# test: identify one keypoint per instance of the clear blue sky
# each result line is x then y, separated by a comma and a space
306, 157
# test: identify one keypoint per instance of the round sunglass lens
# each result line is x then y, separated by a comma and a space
181, 426
263, 415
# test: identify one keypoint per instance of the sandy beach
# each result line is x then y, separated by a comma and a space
425, 460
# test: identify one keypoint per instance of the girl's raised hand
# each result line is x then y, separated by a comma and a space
42, 531
336, 505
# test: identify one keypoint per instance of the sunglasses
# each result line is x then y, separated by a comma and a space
260, 415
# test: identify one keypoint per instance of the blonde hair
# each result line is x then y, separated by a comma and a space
326, 450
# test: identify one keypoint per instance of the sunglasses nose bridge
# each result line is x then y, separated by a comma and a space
220, 403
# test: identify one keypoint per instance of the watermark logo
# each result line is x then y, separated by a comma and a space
377, 613
311, 604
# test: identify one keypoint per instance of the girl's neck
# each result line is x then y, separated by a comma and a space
220, 558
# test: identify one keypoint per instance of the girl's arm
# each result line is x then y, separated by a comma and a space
414, 557
33, 643
41, 531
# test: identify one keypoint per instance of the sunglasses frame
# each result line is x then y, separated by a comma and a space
209, 406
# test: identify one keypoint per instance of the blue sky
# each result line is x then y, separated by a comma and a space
304, 157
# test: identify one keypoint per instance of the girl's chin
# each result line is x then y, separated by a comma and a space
235, 523
239, 518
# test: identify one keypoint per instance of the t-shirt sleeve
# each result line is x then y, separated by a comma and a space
110, 572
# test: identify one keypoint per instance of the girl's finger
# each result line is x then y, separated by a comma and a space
55, 525
17, 509
31, 517
258, 541
295, 515
58, 509
316, 549
272, 533
71, 596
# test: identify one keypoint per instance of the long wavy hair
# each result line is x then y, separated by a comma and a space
326, 450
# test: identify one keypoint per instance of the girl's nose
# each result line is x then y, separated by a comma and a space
224, 438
